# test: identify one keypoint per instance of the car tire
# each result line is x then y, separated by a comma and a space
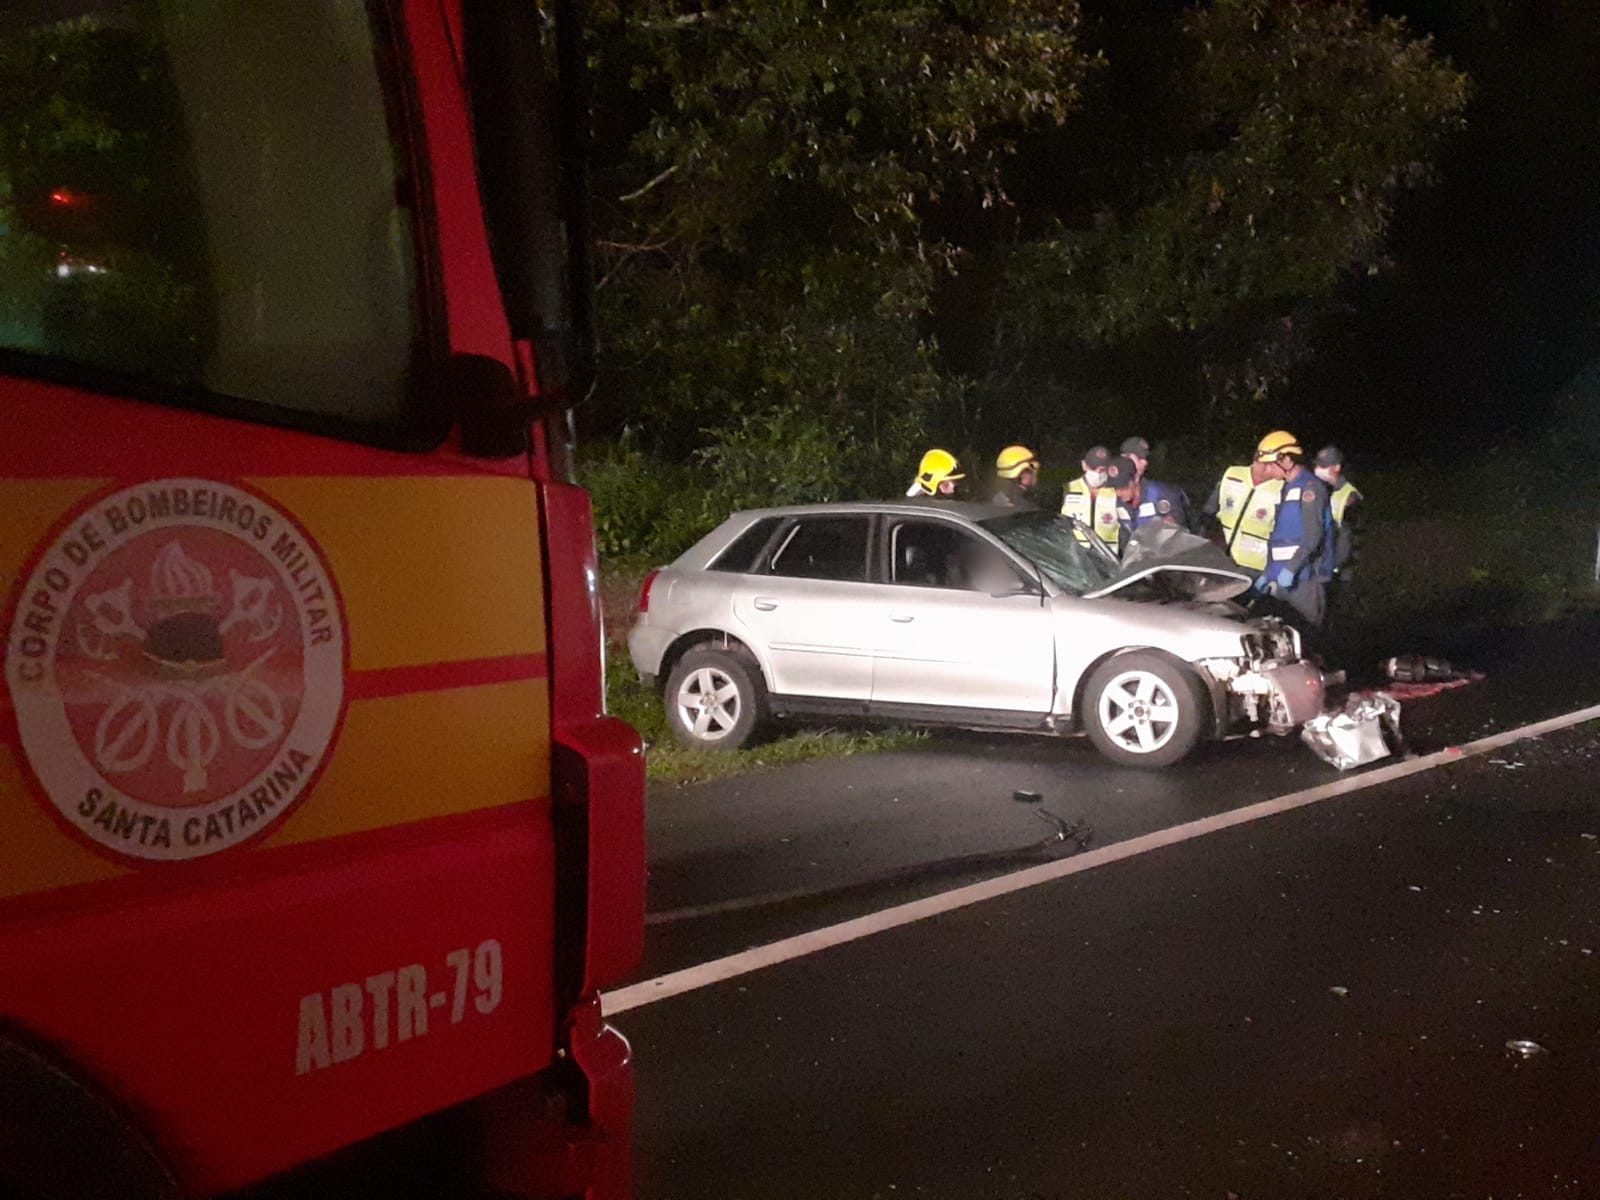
715, 699
1143, 709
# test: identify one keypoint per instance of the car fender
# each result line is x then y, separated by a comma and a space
717, 638
1087, 632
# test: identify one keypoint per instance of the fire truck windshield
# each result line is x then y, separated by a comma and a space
206, 198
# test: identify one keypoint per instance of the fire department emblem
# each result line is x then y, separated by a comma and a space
176, 664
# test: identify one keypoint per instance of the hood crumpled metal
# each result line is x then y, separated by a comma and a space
1186, 562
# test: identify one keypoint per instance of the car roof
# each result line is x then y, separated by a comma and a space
971, 510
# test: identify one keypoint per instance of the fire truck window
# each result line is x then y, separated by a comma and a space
204, 195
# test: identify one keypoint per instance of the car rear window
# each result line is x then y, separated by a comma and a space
824, 548
739, 556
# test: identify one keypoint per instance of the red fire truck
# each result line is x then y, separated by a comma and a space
315, 844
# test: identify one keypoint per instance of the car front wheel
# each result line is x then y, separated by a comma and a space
1144, 709
715, 699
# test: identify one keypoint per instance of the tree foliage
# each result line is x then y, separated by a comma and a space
852, 226
775, 215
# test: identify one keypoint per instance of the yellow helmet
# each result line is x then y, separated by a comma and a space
1278, 442
935, 468
1014, 460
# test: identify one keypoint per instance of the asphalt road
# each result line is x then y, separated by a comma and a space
1315, 1004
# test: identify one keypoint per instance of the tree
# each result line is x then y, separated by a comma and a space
1283, 132
772, 223
844, 228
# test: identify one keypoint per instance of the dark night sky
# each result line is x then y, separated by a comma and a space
1493, 306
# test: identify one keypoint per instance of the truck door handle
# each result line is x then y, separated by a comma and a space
765, 603
902, 618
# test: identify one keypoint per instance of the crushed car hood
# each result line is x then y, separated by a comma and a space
1188, 565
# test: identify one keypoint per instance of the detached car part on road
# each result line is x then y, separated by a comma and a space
964, 615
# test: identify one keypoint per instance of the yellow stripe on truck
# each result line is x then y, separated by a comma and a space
429, 754
38, 854
28, 509
431, 569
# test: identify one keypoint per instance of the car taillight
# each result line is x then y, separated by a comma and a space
644, 591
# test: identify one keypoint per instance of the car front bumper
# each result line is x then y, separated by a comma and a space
1277, 697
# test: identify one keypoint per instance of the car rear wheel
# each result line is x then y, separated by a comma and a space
1144, 709
715, 699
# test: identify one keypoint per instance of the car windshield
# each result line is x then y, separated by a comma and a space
1048, 541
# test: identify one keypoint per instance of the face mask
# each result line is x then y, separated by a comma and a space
1095, 479
1327, 476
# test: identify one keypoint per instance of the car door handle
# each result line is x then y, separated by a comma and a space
902, 618
765, 603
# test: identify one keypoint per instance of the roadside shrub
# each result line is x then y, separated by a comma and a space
644, 506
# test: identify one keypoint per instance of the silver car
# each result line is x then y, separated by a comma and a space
965, 615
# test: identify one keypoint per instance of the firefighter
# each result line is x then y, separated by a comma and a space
1143, 501
937, 475
1016, 470
1300, 546
1344, 503
1092, 498
1245, 502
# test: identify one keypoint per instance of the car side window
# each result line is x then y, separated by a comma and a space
823, 548
739, 556
936, 554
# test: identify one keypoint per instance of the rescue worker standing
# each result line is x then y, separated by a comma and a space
1344, 503
1149, 500
937, 475
1016, 470
1092, 498
1301, 542
1245, 502
1142, 502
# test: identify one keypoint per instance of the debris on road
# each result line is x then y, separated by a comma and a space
1367, 729
1523, 1048
1414, 676
1339, 991
1023, 796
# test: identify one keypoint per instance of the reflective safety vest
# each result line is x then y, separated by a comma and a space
1341, 499
1289, 532
1247, 512
1157, 502
1097, 510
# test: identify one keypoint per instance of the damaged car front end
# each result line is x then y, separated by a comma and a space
1269, 686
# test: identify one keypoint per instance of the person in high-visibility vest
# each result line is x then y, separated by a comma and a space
1299, 547
1344, 502
1016, 470
1245, 502
1092, 498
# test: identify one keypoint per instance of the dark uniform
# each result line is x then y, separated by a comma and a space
1156, 502
1301, 546
1009, 493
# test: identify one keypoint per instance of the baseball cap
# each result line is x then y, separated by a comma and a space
1096, 458
1136, 447
1121, 472
1330, 456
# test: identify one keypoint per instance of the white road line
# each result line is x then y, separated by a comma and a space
690, 979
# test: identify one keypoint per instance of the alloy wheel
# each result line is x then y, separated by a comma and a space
1139, 712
